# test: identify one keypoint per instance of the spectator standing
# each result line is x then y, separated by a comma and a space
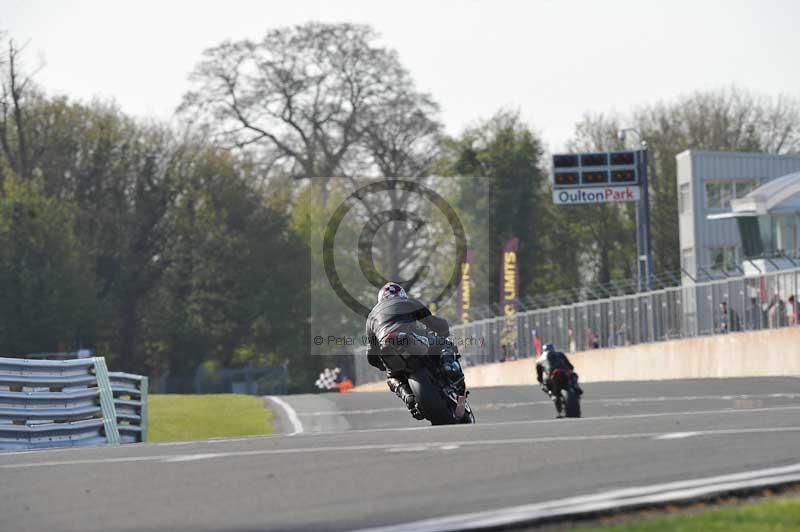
572, 342
776, 312
537, 343
729, 319
753, 315
592, 339
621, 335
791, 310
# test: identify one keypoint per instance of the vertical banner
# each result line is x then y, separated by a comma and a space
465, 288
509, 292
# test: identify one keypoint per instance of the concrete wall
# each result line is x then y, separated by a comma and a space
745, 354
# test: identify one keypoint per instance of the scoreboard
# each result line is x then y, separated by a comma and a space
615, 168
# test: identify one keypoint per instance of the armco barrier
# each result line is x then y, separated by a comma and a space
57, 403
130, 405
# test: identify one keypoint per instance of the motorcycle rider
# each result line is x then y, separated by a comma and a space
550, 360
395, 312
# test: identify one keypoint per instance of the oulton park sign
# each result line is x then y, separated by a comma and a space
574, 196
602, 177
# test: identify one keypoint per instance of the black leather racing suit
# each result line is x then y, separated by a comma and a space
402, 315
552, 360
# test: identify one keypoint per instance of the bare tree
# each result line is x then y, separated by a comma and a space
403, 136
401, 140
301, 92
15, 86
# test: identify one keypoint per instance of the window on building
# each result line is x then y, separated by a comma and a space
743, 188
684, 200
718, 194
723, 258
785, 228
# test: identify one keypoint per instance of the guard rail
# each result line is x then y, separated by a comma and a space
57, 403
130, 406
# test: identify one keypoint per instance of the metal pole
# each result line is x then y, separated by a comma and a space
645, 258
639, 279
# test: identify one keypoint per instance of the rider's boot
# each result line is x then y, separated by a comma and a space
575, 384
559, 407
403, 391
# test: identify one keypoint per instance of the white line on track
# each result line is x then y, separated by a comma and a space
497, 406
636, 416
613, 499
392, 447
191, 457
677, 435
408, 429
297, 425
562, 420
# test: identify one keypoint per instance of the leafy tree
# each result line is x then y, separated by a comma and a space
233, 290
502, 194
605, 234
45, 273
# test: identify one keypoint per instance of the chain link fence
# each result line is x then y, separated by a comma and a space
723, 306
715, 307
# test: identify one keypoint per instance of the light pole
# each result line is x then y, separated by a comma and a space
644, 259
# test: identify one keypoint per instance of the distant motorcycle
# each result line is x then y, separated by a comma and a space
561, 387
440, 400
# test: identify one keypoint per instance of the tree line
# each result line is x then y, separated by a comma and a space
167, 246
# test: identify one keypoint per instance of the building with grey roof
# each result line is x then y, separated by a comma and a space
708, 184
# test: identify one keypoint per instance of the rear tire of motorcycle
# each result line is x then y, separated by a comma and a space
429, 397
572, 405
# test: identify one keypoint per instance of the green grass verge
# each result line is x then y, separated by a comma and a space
199, 417
772, 515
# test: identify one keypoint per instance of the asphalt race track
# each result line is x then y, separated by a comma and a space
358, 460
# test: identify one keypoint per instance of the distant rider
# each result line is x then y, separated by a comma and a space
396, 312
550, 360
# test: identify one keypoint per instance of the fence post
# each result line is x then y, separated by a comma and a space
144, 384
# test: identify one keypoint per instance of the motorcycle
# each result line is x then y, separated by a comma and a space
441, 401
562, 390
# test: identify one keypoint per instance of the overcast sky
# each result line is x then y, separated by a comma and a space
553, 60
